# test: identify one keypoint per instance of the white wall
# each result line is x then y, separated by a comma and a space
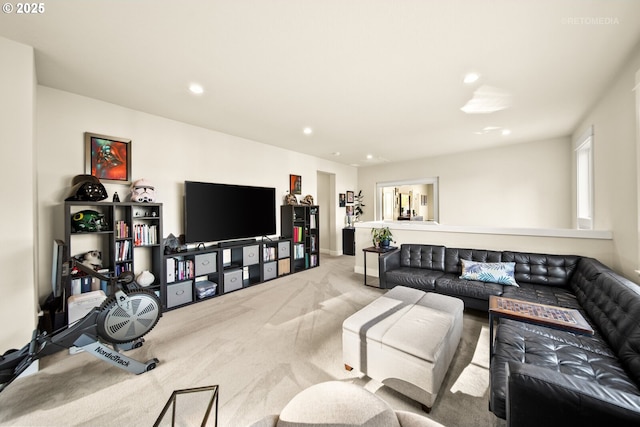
166, 152
17, 187
524, 185
616, 166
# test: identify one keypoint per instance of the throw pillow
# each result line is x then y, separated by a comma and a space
493, 272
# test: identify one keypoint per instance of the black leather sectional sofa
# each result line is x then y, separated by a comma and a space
542, 376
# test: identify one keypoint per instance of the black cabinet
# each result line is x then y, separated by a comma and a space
349, 241
128, 235
197, 275
301, 224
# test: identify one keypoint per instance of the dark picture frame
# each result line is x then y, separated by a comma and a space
349, 196
295, 184
342, 200
108, 158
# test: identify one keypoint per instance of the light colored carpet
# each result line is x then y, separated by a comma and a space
261, 345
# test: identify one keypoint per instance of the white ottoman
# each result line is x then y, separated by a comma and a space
405, 339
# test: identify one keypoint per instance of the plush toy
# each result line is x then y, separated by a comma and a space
308, 200
290, 199
91, 259
143, 191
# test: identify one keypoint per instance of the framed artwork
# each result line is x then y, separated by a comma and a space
108, 158
423, 200
295, 184
349, 196
349, 210
342, 200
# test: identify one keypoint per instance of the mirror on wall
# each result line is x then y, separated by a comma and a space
411, 200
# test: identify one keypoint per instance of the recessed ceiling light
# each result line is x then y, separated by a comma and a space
336, 153
506, 132
471, 78
196, 88
307, 131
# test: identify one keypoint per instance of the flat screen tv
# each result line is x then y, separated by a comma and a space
219, 212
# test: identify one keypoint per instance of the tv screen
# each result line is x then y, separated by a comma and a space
217, 212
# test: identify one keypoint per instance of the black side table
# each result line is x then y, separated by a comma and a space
375, 250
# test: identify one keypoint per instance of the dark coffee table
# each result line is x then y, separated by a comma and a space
538, 314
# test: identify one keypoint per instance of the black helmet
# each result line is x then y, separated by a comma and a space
87, 188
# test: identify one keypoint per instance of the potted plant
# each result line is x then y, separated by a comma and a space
381, 237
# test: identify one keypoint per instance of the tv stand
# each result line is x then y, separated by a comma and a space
203, 273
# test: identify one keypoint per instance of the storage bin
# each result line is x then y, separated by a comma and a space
205, 288
270, 270
232, 280
284, 266
250, 255
206, 263
284, 249
179, 293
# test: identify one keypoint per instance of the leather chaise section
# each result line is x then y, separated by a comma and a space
405, 276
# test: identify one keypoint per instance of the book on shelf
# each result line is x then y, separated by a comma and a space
145, 234
122, 267
179, 269
104, 284
122, 229
123, 250
298, 233
171, 269
269, 253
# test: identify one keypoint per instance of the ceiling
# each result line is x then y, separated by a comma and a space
371, 77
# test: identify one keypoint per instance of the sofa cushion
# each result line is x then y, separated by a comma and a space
541, 269
454, 255
494, 272
451, 284
422, 256
542, 294
414, 278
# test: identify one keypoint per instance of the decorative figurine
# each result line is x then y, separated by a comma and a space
87, 188
143, 191
116, 198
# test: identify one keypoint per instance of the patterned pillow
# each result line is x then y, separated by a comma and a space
494, 272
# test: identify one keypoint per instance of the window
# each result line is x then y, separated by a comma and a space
402, 200
584, 180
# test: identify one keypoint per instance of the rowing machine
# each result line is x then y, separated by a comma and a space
119, 323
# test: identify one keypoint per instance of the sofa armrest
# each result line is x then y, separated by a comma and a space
538, 396
387, 262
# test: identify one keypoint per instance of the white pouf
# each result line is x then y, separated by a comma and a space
406, 340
